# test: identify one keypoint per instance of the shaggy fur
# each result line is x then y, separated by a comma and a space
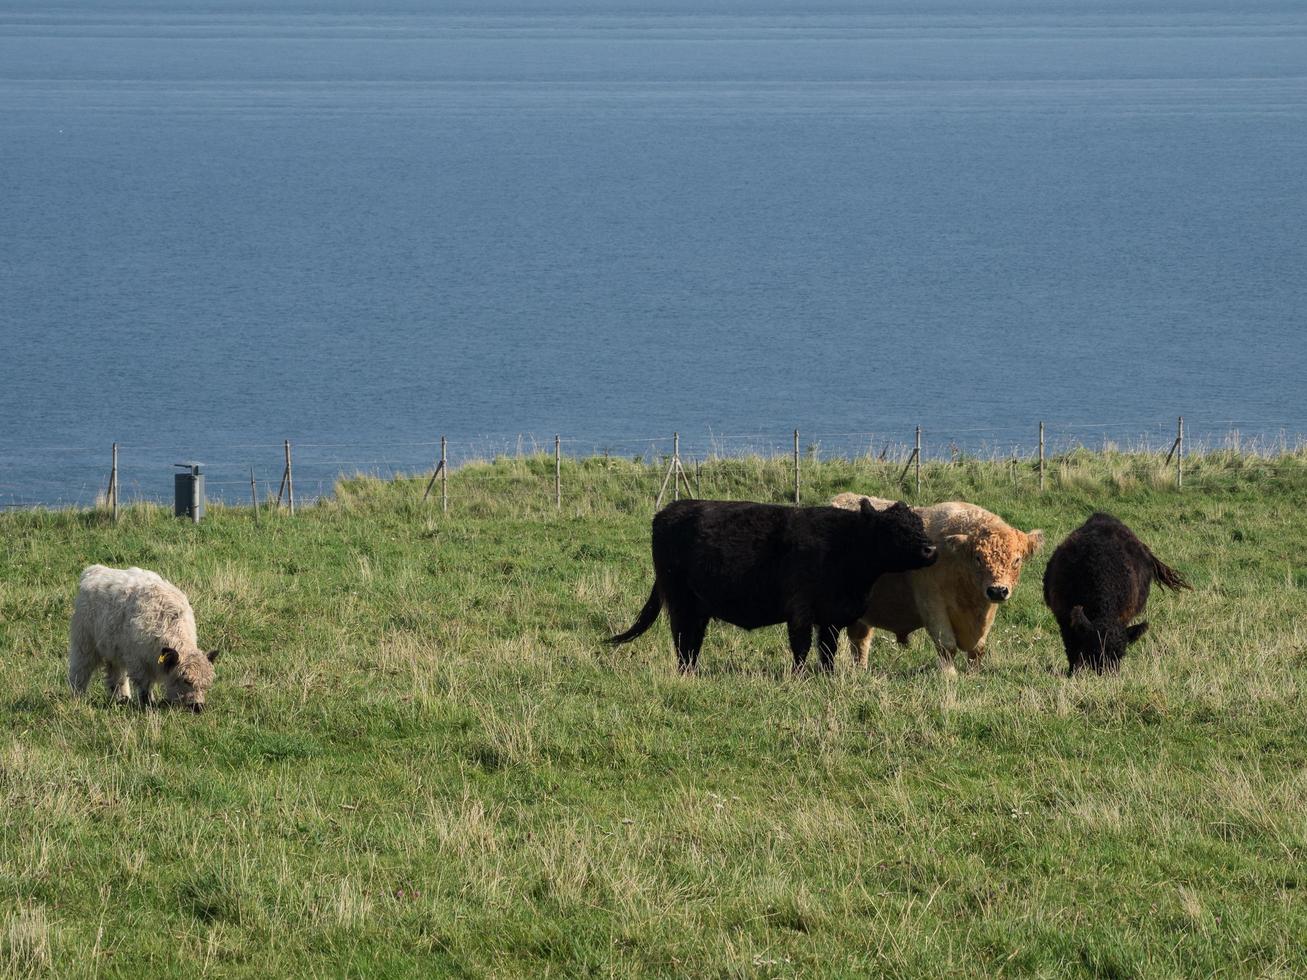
980, 559
1095, 583
141, 630
761, 564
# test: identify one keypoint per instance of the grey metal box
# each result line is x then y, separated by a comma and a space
188, 492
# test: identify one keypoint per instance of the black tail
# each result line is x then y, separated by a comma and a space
646, 619
1168, 576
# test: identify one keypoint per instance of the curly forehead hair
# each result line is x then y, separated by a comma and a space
194, 670
999, 547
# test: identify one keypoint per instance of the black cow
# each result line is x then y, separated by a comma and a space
1095, 583
761, 564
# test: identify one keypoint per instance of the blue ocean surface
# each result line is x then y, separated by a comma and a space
359, 227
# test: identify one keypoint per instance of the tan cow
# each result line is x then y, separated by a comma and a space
980, 558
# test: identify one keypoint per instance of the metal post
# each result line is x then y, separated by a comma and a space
290, 481
796, 467
444, 477
916, 455
676, 464
1041, 457
558, 472
1179, 453
113, 483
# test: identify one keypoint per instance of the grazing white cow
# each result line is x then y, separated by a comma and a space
141, 630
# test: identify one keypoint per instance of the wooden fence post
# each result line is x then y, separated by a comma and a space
113, 483
558, 472
674, 473
444, 477
254, 496
1179, 453
916, 453
1041, 457
676, 465
290, 481
796, 467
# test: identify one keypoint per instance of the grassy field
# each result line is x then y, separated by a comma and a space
420, 760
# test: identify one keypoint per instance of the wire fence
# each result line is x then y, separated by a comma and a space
236, 474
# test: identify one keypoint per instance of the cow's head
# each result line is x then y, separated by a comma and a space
898, 537
994, 555
187, 677
1099, 645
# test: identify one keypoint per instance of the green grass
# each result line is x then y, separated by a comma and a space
420, 760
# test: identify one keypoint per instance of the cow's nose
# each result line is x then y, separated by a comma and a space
997, 592
929, 552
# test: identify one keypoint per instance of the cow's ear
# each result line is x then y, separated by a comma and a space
957, 543
213, 656
1034, 541
169, 658
1133, 633
866, 509
1079, 619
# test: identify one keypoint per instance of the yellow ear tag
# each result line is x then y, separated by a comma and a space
162, 658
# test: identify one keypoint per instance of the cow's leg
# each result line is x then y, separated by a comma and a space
860, 641
975, 656
688, 622
800, 630
117, 684
141, 683
935, 618
828, 639
689, 638
946, 647
1074, 661
82, 662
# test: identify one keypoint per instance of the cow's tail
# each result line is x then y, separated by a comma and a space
1168, 576
646, 618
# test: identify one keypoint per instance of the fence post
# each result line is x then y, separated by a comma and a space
444, 478
290, 481
113, 483
1041, 457
796, 467
254, 496
558, 472
676, 464
1179, 453
916, 454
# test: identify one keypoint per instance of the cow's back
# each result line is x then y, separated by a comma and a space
1101, 566
749, 563
726, 557
131, 606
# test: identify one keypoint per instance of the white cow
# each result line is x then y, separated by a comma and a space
140, 628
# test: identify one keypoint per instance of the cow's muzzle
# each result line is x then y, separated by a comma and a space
998, 593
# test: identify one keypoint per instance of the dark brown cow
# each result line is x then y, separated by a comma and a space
1095, 583
761, 564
